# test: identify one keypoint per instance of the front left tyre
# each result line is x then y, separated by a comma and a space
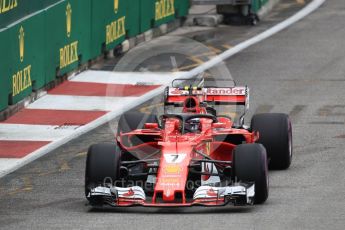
250, 165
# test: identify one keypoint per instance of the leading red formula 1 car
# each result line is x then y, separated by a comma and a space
194, 157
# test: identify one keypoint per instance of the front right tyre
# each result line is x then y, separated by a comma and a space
250, 165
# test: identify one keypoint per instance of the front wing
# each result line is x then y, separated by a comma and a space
238, 195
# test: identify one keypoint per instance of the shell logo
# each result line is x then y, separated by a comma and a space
69, 19
116, 6
21, 43
172, 169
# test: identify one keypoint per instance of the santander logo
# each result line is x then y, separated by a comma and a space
175, 91
235, 91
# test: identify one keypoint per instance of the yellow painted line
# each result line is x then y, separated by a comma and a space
197, 61
82, 154
27, 187
187, 67
206, 54
301, 2
64, 167
226, 46
214, 49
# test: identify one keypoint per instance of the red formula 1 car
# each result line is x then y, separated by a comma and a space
194, 157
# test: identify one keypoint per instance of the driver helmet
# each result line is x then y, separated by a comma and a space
193, 125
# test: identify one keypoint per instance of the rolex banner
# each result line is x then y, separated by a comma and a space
69, 22
43, 40
4, 71
109, 24
26, 58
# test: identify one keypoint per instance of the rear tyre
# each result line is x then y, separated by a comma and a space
102, 166
275, 133
250, 165
130, 121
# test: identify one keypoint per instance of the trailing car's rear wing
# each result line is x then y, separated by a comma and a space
238, 95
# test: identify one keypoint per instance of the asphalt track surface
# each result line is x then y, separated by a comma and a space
299, 71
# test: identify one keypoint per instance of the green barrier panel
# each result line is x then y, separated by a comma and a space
181, 8
68, 36
164, 11
147, 14
133, 18
108, 24
13, 10
257, 4
26, 57
4, 69
156, 12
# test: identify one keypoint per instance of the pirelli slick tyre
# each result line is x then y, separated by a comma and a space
102, 166
250, 165
275, 133
130, 121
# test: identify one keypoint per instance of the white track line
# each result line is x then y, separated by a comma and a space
19, 132
132, 78
84, 103
102, 120
6, 164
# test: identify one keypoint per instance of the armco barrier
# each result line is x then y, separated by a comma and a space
4, 69
26, 57
68, 36
108, 24
43, 39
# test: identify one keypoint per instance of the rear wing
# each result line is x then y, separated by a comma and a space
238, 95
